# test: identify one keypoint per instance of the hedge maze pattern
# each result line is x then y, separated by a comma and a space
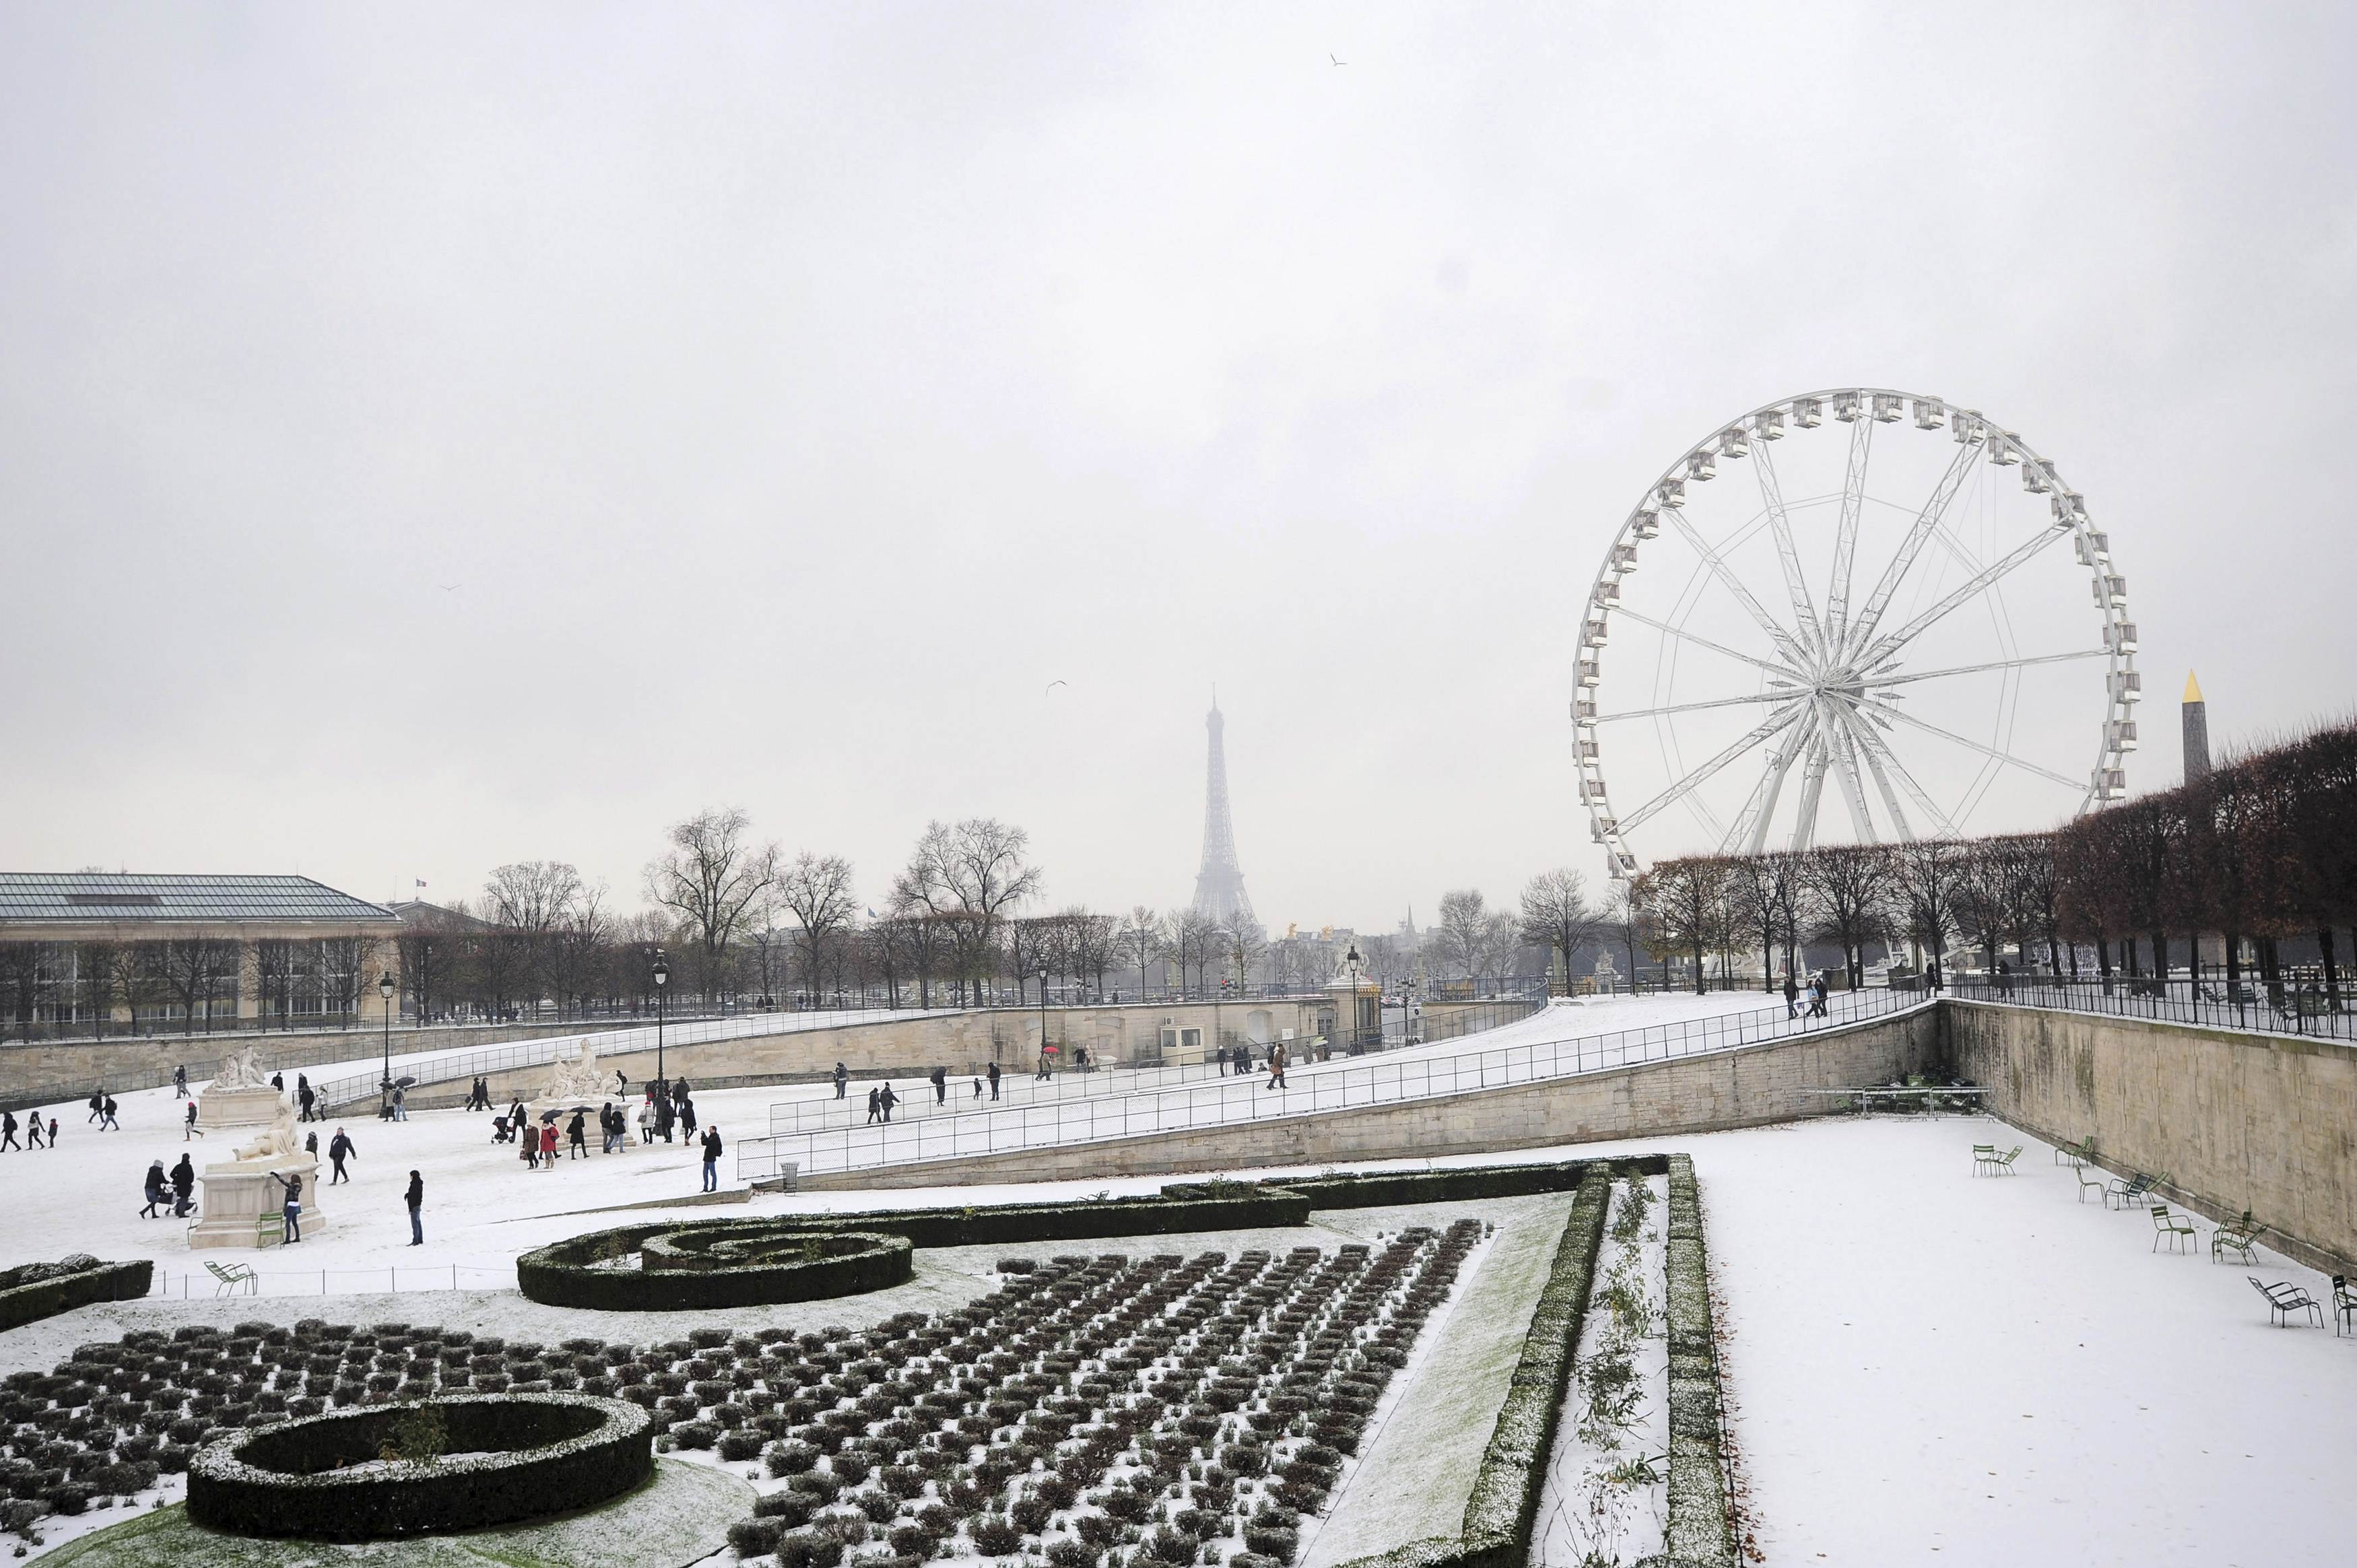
1106, 1411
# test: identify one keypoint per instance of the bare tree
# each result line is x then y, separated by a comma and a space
1849, 888
1555, 915
1242, 945
1623, 918
193, 969
969, 877
1141, 938
711, 875
1687, 902
1463, 937
817, 890
1191, 937
1928, 876
534, 898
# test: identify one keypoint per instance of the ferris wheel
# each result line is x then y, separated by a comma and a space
1872, 604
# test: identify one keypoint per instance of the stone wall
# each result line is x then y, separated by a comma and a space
1740, 1088
2237, 1121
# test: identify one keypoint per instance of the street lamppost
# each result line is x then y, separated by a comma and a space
1358, 1020
663, 978
1043, 1015
384, 989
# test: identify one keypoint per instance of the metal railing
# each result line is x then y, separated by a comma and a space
1351, 1085
1024, 1086
2305, 1006
611, 1042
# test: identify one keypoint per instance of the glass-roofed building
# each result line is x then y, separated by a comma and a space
88, 951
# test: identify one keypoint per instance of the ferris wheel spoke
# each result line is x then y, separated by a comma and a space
1770, 666
1696, 706
1909, 677
1861, 445
1751, 829
1709, 770
1812, 790
1771, 495
1884, 761
1734, 585
1943, 495
1892, 642
1882, 710
1845, 750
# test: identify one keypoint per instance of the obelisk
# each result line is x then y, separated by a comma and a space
2196, 714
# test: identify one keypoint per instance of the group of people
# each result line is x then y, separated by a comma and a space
1815, 991
177, 1188
101, 1111
35, 1135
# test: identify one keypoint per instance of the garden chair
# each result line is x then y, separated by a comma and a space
2134, 1191
2078, 1155
2003, 1164
2344, 1305
2236, 1236
1984, 1156
2285, 1298
2176, 1227
2088, 1183
232, 1276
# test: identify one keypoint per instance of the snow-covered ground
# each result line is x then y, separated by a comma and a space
1925, 1366
1565, 1038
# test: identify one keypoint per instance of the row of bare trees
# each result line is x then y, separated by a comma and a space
184, 983
2261, 851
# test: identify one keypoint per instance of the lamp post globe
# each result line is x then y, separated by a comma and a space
662, 978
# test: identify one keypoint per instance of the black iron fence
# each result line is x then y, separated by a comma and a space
2303, 1003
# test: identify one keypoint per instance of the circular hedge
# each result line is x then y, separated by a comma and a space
711, 1263
530, 1456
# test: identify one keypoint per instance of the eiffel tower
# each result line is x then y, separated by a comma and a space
1220, 885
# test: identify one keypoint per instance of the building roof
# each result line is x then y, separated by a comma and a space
438, 917
88, 897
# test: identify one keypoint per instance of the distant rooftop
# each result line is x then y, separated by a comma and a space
83, 898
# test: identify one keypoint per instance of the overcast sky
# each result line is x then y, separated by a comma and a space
437, 436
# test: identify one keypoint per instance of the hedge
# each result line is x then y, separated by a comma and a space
1699, 1529
685, 1272
549, 1454
750, 1262
36, 1299
1496, 1532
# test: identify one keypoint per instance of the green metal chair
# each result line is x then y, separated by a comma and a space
2176, 1227
2239, 1236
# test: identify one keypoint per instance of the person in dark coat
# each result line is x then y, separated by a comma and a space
184, 1186
291, 1206
107, 1122
340, 1149
157, 1191
304, 1093
940, 1085
711, 1159
8, 1131
842, 1079
1791, 995
888, 1099
991, 1074
687, 1114
875, 1104
415, 1197
576, 1137
180, 1082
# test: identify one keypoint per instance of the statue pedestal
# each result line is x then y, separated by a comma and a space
239, 1192
222, 1108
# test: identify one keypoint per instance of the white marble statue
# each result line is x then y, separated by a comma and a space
278, 1140
576, 1078
238, 1069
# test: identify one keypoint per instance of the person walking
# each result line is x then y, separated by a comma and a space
646, 1123
180, 1081
889, 1099
107, 1122
548, 1145
33, 1132
1277, 1065
991, 1074
400, 1104
621, 1084
339, 1148
842, 1079
309, 1100
687, 1115
184, 1186
1045, 1071
415, 1198
53, 1131
712, 1159
940, 1086
290, 1208
575, 1135
158, 1193
978, 1088
97, 1105
1791, 995
1222, 1055
8, 1131
875, 1106
530, 1153
189, 1128
278, 1081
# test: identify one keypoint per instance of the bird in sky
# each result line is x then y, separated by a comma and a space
450, 587
1330, 55
1052, 685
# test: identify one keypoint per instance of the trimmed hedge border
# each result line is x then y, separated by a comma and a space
25, 1304
1499, 1514
681, 1272
1699, 1534
581, 1451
